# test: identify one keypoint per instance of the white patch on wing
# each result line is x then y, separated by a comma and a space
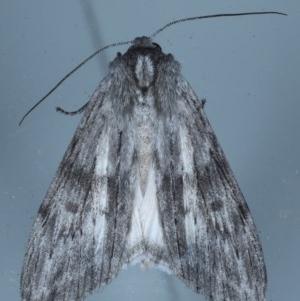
192, 223
102, 155
186, 151
96, 225
145, 226
148, 208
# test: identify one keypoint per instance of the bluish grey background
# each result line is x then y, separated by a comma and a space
247, 68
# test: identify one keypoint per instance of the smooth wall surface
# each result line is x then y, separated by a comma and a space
247, 68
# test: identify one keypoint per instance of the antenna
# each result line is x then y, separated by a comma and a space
128, 42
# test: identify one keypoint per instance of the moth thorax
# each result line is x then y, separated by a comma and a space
144, 71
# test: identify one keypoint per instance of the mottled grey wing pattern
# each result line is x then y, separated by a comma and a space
211, 237
144, 179
77, 243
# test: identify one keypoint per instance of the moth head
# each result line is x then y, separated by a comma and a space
145, 42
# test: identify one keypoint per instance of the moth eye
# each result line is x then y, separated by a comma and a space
156, 46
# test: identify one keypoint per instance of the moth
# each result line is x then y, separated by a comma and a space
144, 179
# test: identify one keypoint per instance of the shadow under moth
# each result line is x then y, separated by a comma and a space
144, 179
